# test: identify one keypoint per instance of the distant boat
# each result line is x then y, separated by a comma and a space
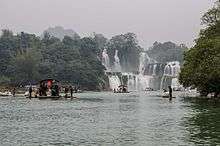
149, 89
7, 93
121, 89
50, 89
46, 89
166, 95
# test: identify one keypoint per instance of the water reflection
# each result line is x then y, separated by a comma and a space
204, 123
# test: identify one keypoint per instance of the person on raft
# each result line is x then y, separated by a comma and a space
170, 93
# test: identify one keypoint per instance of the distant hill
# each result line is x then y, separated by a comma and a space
60, 32
166, 52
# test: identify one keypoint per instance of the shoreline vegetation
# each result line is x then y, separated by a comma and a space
201, 68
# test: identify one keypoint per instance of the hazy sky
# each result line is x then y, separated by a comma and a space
151, 20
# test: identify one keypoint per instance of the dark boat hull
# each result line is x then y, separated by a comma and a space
121, 92
55, 97
49, 97
167, 97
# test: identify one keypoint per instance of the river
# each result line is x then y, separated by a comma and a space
107, 119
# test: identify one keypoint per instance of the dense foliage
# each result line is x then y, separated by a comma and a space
25, 59
167, 52
202, 62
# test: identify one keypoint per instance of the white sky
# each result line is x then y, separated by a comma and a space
152, 20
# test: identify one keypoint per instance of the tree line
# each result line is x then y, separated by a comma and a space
167, 52
26, 59
63, 55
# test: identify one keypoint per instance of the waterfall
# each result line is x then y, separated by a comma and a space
105, 60
114, 81
140, 81
117, 65
154, 69
142, 63
143, 81
175, 73
150, 73
150, 69
161, 82
131, 81
171, 70
149, 60
175, 83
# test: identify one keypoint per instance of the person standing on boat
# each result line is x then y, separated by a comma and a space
170, 92
66, 91
124, 90
41, 89
30, 91
13, 92
71, 91
45, 89
57, 90
53, 90
75, 89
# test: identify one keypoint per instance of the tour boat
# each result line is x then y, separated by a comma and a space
49, 89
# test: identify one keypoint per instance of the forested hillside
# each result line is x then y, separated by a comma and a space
25, 59
166, 52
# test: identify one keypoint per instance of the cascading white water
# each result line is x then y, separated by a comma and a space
149, 60
143, 81
114, 82
117, 65
154, 69
139, 82
171, 70
105, 60
149, 77
175, 83
175, 72
131, 82
142, 63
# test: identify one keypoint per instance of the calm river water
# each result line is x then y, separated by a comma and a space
107, 119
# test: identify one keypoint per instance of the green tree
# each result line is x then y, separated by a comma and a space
101, 42
202, 62
25, 66
8, 47
167, 52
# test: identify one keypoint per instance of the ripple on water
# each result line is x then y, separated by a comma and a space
107, 119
